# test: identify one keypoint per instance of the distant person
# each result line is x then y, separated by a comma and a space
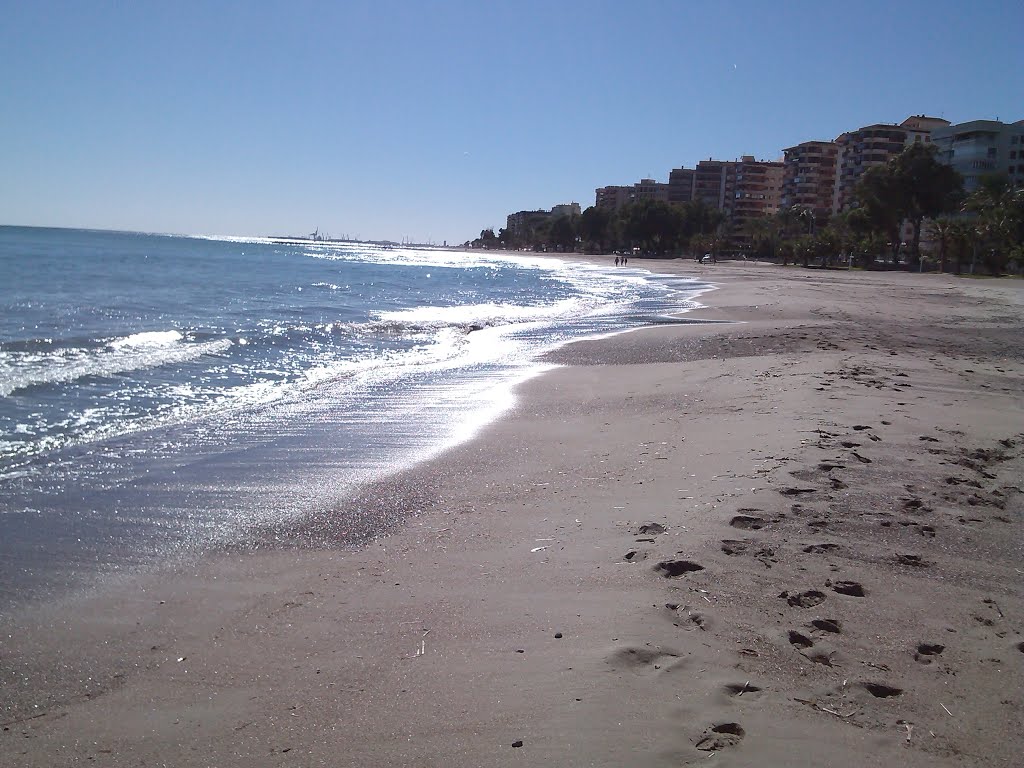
623, 261
616, 261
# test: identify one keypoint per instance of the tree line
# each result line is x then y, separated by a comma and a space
913, 193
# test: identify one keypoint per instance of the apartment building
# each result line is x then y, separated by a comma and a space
645, 189
565, 209
709, 182
612, 197
809, 177
981, 148
680, 185
875, 145
523, 223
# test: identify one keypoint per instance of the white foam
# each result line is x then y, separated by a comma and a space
18, 372
148, 339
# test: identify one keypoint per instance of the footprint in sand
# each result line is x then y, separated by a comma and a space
638, 659
735, 547
748, 522
800, 640
831, 626
806, 599
820, 549
671, 569
926, 652
720, 736
650, 529
682, 616
740, 689
915, 561
850, 588
881, 690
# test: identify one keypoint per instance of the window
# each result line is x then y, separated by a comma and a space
1013, 155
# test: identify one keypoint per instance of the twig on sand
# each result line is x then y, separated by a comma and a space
947, 709
826, 709
744, 688
22, 719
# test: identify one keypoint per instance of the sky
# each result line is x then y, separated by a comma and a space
429, 121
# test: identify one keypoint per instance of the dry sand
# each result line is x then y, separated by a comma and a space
791, 541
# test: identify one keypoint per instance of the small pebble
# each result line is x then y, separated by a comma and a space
558, 635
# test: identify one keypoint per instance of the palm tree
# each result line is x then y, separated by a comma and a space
946, 231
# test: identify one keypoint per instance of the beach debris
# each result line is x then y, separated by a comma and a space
558, 635
947, 710
517, 743
735, 689
817, 706
540, 549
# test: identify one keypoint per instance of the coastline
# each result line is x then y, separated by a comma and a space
831, 420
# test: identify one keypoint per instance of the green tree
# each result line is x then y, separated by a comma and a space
997, 218
595, 228
881, 196
562, 233
928, 188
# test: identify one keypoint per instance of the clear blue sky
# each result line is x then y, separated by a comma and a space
432, 120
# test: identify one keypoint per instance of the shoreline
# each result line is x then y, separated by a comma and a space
437, 644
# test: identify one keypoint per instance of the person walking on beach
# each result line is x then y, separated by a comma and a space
616, 261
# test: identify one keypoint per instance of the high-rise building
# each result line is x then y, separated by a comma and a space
616, 197
982, 148
875, 145
522, 224
565, 209
809, 177
612, 197
709, 182
680, 185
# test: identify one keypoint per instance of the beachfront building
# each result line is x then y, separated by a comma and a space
612, 197
742, 189
615, 197
709, 182
875, 145
565, 209
755, 189
680, 185
649, 189
809, 177
522, 224
981, 148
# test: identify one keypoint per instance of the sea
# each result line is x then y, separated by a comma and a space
163, 396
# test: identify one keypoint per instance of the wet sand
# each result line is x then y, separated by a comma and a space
794, 540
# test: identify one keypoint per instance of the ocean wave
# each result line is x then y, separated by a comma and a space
147, 339
130, 353
475, 316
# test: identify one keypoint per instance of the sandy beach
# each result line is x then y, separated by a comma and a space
789, 539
